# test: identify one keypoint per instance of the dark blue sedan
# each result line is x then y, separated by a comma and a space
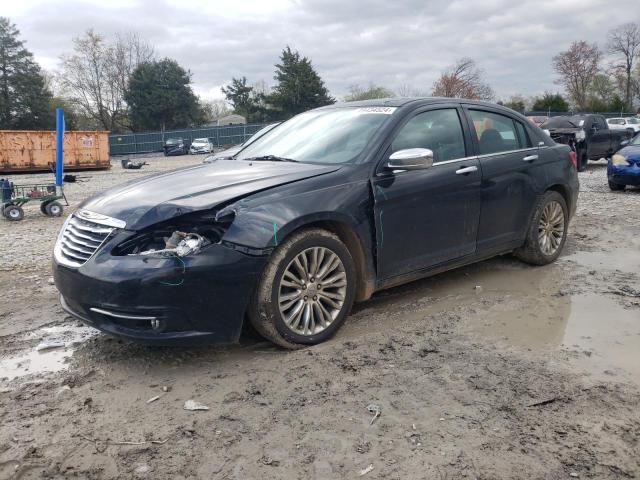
623, 168
328, 208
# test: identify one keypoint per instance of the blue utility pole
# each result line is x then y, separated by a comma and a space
59, 149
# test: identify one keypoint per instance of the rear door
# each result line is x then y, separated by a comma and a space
427, 217
511, 176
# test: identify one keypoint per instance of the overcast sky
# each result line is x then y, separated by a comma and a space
387, 42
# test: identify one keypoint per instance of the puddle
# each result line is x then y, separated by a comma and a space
623, 260
34, 362
606, 336
46, 360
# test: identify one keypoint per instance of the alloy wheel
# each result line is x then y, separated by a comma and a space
551, 228
312, 291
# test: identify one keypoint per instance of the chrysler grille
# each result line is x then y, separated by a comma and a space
79, 240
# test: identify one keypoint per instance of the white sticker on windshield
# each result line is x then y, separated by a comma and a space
383, 110
581, 123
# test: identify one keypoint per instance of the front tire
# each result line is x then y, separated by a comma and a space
616, 187
13, 213
53, 209
547, 231
583, 160
306, 290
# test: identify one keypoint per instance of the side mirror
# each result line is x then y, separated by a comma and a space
410, 159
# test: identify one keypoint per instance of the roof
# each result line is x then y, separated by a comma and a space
402, 101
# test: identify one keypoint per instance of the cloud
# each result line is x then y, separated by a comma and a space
388, 43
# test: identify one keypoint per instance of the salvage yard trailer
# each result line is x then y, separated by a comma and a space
35, 150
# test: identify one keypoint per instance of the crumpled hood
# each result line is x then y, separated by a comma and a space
163, 196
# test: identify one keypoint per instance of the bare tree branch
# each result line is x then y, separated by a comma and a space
624, 42
577, 68
463, 80
96, 76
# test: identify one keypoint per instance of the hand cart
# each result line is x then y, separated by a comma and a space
13, 197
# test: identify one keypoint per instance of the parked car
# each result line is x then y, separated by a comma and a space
230, 152
175, 146
201, 145
587, 134
624, 166
537, 119
338, 203
632, 124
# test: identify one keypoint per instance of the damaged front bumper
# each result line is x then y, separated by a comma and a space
162, 299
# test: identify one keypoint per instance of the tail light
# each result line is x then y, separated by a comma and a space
573, 158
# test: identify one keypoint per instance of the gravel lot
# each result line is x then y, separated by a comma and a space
496, 370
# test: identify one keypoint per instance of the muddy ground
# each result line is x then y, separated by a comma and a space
496, 370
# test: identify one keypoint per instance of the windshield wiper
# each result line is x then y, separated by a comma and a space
270, 158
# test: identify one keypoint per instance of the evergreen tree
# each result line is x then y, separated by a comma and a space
553, 102
238, 94
159, 96
25, 101
299, 87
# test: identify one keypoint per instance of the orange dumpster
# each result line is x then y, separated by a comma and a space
35, 150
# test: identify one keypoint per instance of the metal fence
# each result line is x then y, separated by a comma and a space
148, 142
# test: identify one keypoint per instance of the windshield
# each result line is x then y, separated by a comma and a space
173, 141
635, 140
259, 133
336, 135
200, 140
564, 122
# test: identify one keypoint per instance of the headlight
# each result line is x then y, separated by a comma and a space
580, 135
619, 160
186, 237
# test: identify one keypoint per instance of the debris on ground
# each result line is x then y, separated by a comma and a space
48, 345
366, 470
193, 405
375, 410
153, 399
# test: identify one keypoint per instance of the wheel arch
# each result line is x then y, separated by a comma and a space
562, 190
346, 232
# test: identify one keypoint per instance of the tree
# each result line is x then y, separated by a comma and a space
238, 94
299, 86
550, 102
24, 97
576, 67
463, 80
624, 42
95, 77
356, 92
517, 103
159, 96
214, 109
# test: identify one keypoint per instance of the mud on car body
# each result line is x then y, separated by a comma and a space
331, 206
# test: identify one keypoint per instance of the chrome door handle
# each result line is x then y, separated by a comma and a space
530, 158
465, 170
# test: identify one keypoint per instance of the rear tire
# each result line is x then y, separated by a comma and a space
53, 209
13, 213
616, 187
43, 207
291, 306
547, 231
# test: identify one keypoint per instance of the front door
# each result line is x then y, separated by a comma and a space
427, 217
600, 141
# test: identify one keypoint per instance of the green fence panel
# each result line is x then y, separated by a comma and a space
149, 142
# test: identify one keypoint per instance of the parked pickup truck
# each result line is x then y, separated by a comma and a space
588, 135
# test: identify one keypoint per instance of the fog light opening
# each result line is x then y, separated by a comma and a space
155, 324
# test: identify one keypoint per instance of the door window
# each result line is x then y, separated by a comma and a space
438, 130
525, 141
600, 123
496, 133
